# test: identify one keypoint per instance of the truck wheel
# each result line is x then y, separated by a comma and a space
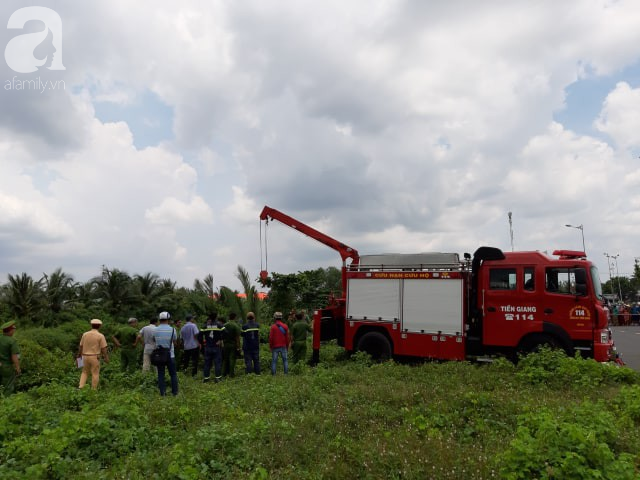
534, 343
375, 344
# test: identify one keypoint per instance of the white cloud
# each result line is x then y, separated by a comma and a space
243, 209
173, 211
620, 116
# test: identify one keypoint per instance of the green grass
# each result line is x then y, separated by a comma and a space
548, 417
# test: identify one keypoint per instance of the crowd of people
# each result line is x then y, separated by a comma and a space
623, 314
220, 341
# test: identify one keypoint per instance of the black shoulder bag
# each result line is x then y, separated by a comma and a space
161, 355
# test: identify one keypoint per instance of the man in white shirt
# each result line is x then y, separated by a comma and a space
146, 336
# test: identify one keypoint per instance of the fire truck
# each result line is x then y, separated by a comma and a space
441, 306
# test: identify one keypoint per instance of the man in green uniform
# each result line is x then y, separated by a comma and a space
125, 340
231, 347
299, 332
9, 359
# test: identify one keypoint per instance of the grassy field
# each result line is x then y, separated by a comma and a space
548, 417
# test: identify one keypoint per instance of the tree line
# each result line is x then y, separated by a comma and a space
57, 297
626, 289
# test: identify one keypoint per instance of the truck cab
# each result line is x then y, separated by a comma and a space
529, 299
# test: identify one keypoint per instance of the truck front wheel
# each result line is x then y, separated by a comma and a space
375, 344
533, 343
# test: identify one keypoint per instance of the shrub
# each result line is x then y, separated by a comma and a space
578, 444
42, 365
555, 368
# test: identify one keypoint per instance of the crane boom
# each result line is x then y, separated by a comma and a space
345, 251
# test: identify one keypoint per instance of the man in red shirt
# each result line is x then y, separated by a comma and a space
279, 343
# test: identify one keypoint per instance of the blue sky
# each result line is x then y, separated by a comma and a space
584, 99
148, 117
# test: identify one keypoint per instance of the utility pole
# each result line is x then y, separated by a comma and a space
615, 257
610, 274
511, 230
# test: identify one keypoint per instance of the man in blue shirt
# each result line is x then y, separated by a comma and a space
165, 336
191, 346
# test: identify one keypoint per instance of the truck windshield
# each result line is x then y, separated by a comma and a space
595, 279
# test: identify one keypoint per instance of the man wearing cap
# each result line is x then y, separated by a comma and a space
251, 344
145, 335
191, 345
279, 343
92, 346
9, 359
125, 340
165, 336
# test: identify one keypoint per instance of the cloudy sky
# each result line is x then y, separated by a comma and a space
393, 126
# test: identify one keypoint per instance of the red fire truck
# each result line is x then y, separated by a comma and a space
436, 305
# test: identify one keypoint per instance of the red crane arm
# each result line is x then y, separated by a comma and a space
345, 251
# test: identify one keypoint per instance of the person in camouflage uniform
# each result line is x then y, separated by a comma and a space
9, 359
125, 339
231, 347
299, 332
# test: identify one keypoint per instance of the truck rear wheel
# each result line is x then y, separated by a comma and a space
375, 344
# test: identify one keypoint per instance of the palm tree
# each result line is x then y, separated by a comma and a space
148, 285
115, 288
85, 293
58, 289
250, 291
229, 298
205, 286
150, 291
207, 291
24, 296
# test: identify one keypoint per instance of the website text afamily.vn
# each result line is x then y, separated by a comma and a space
34, 84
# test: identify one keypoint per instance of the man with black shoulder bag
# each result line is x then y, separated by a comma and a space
164, 354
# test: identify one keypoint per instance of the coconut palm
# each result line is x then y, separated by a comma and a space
207, 293
230, 300
24, 296
251, 294
115, 288
58, 289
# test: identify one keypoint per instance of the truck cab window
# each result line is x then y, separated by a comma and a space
529, 279
502, 279
568, 281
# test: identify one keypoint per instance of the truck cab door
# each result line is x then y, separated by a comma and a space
567, 305
511, 304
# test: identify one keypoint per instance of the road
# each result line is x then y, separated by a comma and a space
627, 340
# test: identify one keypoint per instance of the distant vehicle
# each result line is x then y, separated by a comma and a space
435, 305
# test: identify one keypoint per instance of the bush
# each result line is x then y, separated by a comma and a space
42, 365
578, 444
555, 368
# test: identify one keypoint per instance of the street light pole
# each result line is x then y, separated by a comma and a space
615, 257
610, 274
581, 228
